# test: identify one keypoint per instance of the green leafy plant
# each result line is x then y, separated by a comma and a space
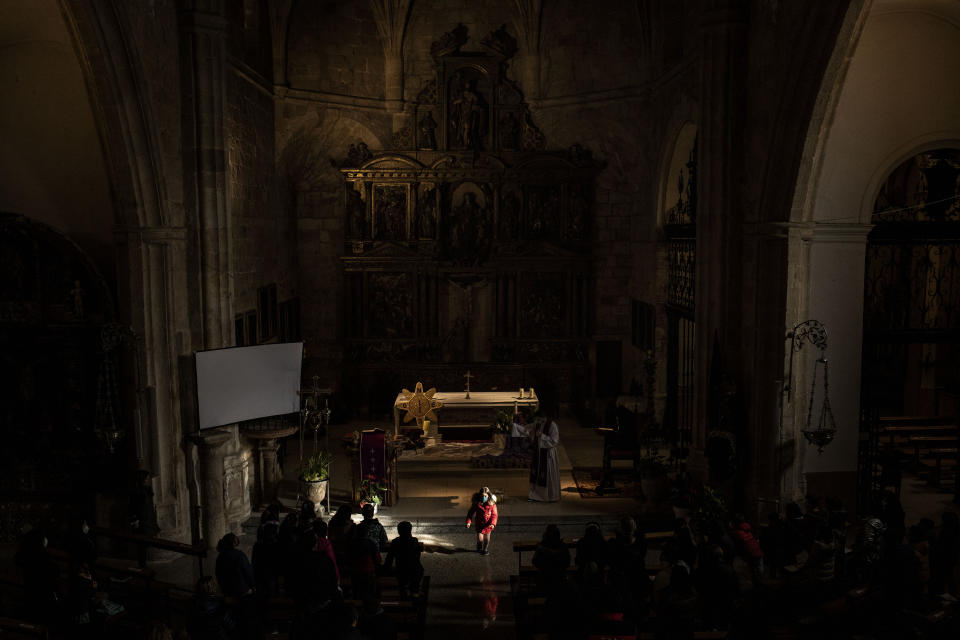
654, 465
317, 467
372, 491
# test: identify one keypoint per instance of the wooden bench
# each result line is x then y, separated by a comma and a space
929, 443
519, 546
144, 542
917, 430
13, 628
917, 420
936, 459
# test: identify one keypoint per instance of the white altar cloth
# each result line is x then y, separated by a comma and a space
477, 400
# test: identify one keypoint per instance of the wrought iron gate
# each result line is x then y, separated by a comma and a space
911, 319
681, 239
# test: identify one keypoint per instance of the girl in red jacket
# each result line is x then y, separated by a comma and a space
483, 516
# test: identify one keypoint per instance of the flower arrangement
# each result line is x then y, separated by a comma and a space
371, 491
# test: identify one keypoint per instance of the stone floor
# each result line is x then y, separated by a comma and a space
469, 594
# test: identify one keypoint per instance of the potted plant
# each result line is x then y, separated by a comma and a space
372, 492
653, 473
315, 475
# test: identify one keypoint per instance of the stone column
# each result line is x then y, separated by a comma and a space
203, 28
279, 19
719, 215
391, 18
527, 23
212, 506
837, 262
268, 471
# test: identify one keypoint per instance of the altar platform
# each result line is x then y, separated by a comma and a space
461, 411
439, 484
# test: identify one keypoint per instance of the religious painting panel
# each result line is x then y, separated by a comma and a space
508, 214
356, 220
543, 212
391, 304
579, 197
427, 211
470, 225
468, 104
390, 218
541, 308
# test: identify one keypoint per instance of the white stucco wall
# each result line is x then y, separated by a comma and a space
901, 96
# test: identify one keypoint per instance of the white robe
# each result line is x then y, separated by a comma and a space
545, 454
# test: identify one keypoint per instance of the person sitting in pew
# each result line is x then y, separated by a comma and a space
405, 552
552, 558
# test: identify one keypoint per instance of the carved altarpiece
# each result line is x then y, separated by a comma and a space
473, 247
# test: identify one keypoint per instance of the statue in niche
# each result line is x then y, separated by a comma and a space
467, 108
427, 214
578, 213
356, 215
509, 131
76, 297
428, 127
391, 217
543, 205
509, 216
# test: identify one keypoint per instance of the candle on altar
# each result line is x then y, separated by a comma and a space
521, 393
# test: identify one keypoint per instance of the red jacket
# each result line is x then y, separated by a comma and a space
483, 516
747, 545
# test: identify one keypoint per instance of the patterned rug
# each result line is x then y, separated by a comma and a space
624, 484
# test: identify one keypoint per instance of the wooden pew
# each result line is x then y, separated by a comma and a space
199, 551
938, 457
929, 443
520, 546
13, 628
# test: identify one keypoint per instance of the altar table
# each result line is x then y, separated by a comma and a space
478, 400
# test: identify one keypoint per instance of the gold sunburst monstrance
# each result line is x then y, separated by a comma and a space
419, 404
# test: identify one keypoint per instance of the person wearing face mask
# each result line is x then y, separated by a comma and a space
483, 517
80, 544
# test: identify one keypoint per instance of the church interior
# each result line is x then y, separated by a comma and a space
677, 282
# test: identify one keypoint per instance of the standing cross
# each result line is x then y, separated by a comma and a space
468, 376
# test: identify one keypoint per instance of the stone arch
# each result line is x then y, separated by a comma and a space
151, 246
853, 141
127, 130
677, 150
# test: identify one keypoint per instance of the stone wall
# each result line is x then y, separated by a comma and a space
333, 47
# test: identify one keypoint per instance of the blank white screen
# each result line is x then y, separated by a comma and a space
245, 383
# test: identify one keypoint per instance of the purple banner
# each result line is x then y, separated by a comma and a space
373, 455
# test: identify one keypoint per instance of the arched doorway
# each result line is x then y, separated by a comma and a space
911, 326
63, 391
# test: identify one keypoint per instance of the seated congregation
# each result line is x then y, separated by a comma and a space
794, 577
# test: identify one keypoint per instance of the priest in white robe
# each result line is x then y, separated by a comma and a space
544, 465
